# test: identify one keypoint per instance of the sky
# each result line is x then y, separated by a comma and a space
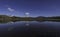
33, 7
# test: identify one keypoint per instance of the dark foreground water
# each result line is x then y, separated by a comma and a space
30, 29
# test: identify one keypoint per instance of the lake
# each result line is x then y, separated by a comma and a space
30, 29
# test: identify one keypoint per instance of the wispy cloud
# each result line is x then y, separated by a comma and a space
10, 9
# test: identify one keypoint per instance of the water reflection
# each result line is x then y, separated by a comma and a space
10, 28
49, 21
31, 28
10, 22
27, 22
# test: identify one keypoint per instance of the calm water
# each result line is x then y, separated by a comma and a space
30, 29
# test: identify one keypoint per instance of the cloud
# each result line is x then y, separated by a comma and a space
11, 10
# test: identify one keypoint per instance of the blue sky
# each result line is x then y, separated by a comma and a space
34, 7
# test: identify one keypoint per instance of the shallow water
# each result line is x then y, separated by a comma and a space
30, 29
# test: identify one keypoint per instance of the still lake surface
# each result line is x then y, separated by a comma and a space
30, 29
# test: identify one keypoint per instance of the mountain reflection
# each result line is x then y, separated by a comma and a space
26, 21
